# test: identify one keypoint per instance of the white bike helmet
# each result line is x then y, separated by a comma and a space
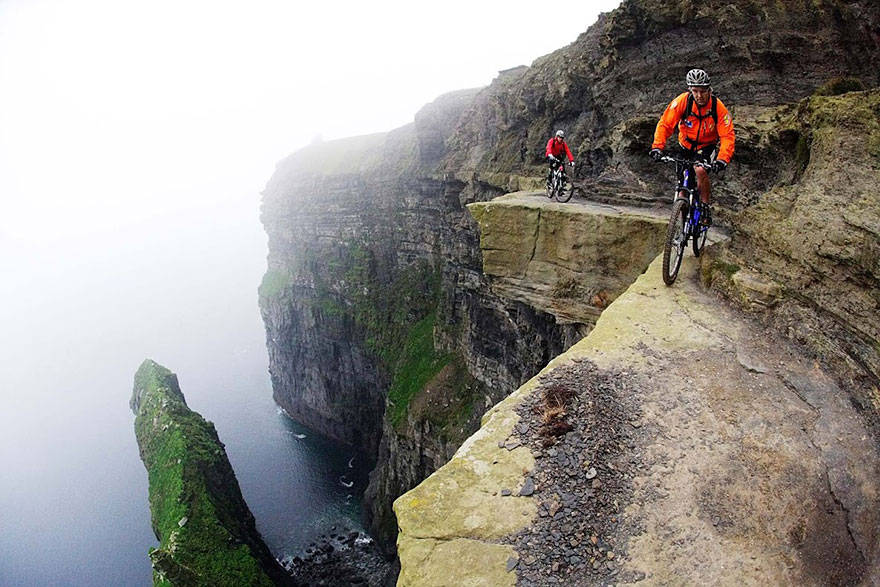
560, 134
697, 78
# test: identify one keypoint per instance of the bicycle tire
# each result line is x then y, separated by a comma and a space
563, 194
551, 189
699, 241
676, 242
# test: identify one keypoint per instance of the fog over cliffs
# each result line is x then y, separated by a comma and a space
373, 254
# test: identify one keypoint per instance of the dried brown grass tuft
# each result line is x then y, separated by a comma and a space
553, 413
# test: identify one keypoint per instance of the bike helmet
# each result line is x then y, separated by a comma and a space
697, 78
560, 134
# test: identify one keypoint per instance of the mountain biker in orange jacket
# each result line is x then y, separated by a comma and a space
703, 120
556, 148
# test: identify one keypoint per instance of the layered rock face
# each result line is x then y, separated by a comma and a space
363, 267
806, 255
569, 260
206, 533
607, 86
373, 252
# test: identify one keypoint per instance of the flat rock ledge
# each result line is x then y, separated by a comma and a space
688, 447
569, 260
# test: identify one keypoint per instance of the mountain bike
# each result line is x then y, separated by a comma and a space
685, 222
559, 187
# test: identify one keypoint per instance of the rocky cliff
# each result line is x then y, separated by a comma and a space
680, 442
381, 327
206, 532
384, 329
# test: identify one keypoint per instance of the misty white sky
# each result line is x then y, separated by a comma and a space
113, 112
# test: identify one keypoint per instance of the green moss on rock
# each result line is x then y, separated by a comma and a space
206, 533
840, 85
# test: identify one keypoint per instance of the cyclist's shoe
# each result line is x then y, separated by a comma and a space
706, 216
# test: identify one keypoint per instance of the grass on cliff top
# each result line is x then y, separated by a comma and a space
840, 85
395, 149
178, 446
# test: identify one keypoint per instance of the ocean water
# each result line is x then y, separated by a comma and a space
78, 316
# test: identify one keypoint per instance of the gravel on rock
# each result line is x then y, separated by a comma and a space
577, 423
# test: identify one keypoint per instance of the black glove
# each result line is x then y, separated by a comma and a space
719, 166
551, 158
656, 154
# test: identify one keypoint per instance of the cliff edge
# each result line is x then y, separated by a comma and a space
678, 442
206, 532
389, 326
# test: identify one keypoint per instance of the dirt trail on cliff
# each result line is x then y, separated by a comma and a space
741, 462
757, 467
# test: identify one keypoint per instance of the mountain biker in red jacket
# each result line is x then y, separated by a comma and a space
703, 121
556, 148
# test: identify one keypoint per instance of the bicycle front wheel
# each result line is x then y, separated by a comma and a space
676, 242
563, 194
551, 187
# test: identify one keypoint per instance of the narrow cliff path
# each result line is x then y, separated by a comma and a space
660, 212
694, 448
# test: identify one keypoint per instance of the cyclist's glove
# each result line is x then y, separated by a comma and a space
719, 166
551, 158
656, 154
571, 163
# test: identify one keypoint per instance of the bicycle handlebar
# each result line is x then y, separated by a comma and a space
669, 159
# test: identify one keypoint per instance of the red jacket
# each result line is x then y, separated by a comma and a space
557, 148
703, 131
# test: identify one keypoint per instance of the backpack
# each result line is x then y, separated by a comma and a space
689, 111
713, 111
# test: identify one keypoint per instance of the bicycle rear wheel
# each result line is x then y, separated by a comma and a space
676, 241
700, 240
566, 189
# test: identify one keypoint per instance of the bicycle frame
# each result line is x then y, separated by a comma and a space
684, 224
560, 169
558, 180
693, 228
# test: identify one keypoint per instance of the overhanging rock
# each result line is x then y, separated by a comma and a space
570, 260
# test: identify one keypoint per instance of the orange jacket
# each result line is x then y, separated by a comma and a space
693, 129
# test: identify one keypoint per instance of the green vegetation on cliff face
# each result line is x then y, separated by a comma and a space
274, 282
388, 309
206, 533
396, 314
418, 364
